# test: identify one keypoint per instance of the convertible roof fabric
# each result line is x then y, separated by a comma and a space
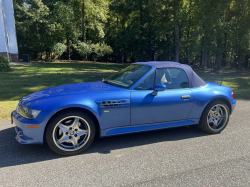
194, 79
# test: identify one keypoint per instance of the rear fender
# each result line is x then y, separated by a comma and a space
206, 94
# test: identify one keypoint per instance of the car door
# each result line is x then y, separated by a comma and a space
172, 104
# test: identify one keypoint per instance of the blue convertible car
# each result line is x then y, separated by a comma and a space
144, 96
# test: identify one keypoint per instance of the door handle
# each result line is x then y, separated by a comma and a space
185, 96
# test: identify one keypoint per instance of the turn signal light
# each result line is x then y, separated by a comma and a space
232, 95
33, 126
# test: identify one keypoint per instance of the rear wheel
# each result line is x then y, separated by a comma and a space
215, 117
70, 133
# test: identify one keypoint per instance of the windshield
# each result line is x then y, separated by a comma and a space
128, 76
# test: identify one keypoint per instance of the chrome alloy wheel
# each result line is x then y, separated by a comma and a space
71, 133
217, 117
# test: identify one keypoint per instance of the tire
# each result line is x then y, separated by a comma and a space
70, 132
215, 117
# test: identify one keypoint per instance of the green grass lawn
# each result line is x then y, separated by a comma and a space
238, 81
29, 78
24, 80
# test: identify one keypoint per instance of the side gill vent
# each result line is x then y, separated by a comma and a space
113, 103
110, 103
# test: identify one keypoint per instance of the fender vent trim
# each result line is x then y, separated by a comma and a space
113, 103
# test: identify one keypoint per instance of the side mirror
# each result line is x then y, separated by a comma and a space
158, 88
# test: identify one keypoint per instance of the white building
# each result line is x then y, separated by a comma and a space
8, 41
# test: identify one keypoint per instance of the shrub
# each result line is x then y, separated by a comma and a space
101, 49
59, 49
83, 49
4, 64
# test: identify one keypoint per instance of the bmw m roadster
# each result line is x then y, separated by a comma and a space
142, 97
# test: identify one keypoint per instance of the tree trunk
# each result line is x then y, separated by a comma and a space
176, 34
133, 57
224, 53
41, 54
84, 28
141, 30
150, 51
50, 54
150, 43
206, 59
47, 54
246, 61
168, 50
235, 61
68, 48
201, 58
186, 56
218, 61
239, 58
83, 23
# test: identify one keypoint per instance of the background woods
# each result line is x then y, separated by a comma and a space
207, 33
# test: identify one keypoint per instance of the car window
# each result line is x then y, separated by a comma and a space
147, 83
172, 78
128, 76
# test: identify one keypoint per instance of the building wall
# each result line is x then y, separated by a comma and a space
3, 44
8, 40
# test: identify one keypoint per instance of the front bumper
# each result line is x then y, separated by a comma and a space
29, 135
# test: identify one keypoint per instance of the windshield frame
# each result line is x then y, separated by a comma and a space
106, 81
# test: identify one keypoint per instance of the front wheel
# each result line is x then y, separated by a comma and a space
70, 133
215, 117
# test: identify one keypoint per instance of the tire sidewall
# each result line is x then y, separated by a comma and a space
203, 124
53, 122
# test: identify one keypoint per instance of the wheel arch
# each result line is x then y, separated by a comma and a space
91, 114
224, 100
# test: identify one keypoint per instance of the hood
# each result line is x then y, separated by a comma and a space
69, 90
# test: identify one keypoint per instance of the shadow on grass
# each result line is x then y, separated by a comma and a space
23, 81
20, 86
237, 81
13, 153
79, 66
26, 80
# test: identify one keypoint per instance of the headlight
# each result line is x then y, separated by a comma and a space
28, 113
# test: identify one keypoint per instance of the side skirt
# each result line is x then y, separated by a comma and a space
148, 127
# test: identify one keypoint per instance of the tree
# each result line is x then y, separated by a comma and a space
59, 49
33, 27
83, 49
101, 49
208, 33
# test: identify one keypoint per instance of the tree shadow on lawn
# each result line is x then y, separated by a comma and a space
80, 65
20, 86
13, 153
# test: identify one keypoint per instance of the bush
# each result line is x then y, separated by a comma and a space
101, 49
59, 49
83, 49
4, 64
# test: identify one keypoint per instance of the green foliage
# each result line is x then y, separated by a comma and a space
34, 28
4, 64
32, 77
208, 33
101, 49
59, 49
83, 49
96, 14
